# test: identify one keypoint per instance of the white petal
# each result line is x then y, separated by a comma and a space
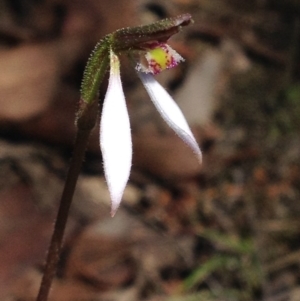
115, 136
170, 111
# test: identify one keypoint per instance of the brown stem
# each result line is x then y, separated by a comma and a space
85, 124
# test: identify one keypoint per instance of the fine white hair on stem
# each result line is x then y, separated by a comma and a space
169, 111
115, 136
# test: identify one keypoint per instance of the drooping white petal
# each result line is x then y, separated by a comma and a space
170, 111
115, 136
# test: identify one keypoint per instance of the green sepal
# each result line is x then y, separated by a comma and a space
125, 40
132, 38
95, 70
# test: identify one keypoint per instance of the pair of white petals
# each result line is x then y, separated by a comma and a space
115, 133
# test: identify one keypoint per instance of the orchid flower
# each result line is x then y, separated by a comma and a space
115, 136
150, 41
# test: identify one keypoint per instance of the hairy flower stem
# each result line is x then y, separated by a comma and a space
85, 124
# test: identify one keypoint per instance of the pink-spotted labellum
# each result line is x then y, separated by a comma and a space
158, 58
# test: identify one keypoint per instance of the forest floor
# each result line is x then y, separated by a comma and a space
227, 230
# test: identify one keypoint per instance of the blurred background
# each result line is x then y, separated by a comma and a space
227, 230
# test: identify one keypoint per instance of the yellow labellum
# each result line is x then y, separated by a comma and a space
160, 58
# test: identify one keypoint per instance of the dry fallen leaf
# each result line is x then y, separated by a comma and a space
28, 80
